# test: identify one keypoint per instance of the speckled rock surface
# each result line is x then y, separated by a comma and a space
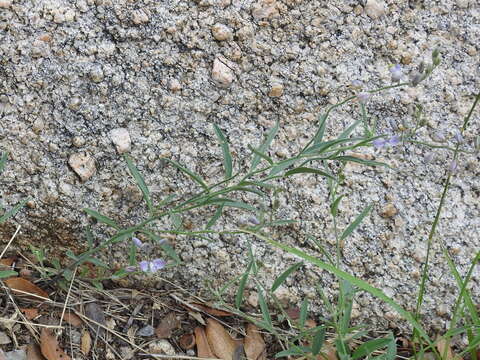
73, 71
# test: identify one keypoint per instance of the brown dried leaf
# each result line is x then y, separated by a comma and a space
50, 348
209, 310
255, 347
197, 316
220, 340
85, 342
203, 347
167, 325
72, 319
310, 324
34, 353
444, 348
30, 313
19, 285
7, 261
293, 313
187, 341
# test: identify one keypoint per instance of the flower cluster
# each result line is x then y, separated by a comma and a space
151, 266
382, 142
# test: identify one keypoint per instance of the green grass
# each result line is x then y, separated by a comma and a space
260, 180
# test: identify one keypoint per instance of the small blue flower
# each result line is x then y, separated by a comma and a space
396, 72
379, 143
453, 166
382, 142
138, 243
131, 269
363, 97
253, 220
152, 266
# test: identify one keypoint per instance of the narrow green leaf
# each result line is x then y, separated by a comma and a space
97, 262
354, 159
102, 218
294, 350
391, 353
264, 147
361, 284
369, 347
7, 215
215, 217
120, 274
318, 340
227, 157
264, 309
282, 165
257, 183
231, 203
324, 146
166, 201
195, 177
132, 254
241, 286
303, 313
279, 281
140, 183
89, 236
335, 204
3, 160
261, 155
98, 285
342, 349
305, 170
346, 133
322, 123
71, 255
355, 223
7, 273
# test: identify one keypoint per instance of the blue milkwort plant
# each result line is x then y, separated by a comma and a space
260, 179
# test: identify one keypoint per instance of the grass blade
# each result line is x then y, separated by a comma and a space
7, 273
361, 284
227, 157
195, 177
318, 341
303, 313
241, 286
13, 211
215, 217
261, 155
279, 281
354, 159
140, 183
282, 165
369, 347
305, 170
101, 218
264, 147
334, 206
231, 203
355, 223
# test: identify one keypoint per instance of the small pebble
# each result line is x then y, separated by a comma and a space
15, 355
161, 347
5, 4
96, 74
222, 32
146, 331
375, 8
140, 17
388, 211
175, 85
222, 74
83, 165
78, 141
276, 90
4, 339
121, 138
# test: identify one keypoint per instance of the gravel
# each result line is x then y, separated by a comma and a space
82, 81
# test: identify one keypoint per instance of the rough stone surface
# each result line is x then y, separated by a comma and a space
375, 8
72, 71
121, 138
83, 164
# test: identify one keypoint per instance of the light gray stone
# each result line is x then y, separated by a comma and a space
121, 138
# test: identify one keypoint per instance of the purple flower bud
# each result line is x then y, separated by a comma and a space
130, 269
453, 166
379, 143
138, 243
396, 72
458, 137
144, 265
363, 97
429, 157
152, 266
394, 140
253, 220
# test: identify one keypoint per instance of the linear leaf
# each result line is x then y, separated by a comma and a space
303, 313
342, 349
197, 178
283, 276
334, 206
13, 211
3, 160
322, 122
264, 309
7, 273
305, 170
265, 145
324, 146
360, 161
231, 203
261, 155
318, 341
361, 284
257, 183
282, 165
215, 217
294, 350
241, 286
102, 218
227, 157
346, 133
356, 222
369, 347
140, 183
